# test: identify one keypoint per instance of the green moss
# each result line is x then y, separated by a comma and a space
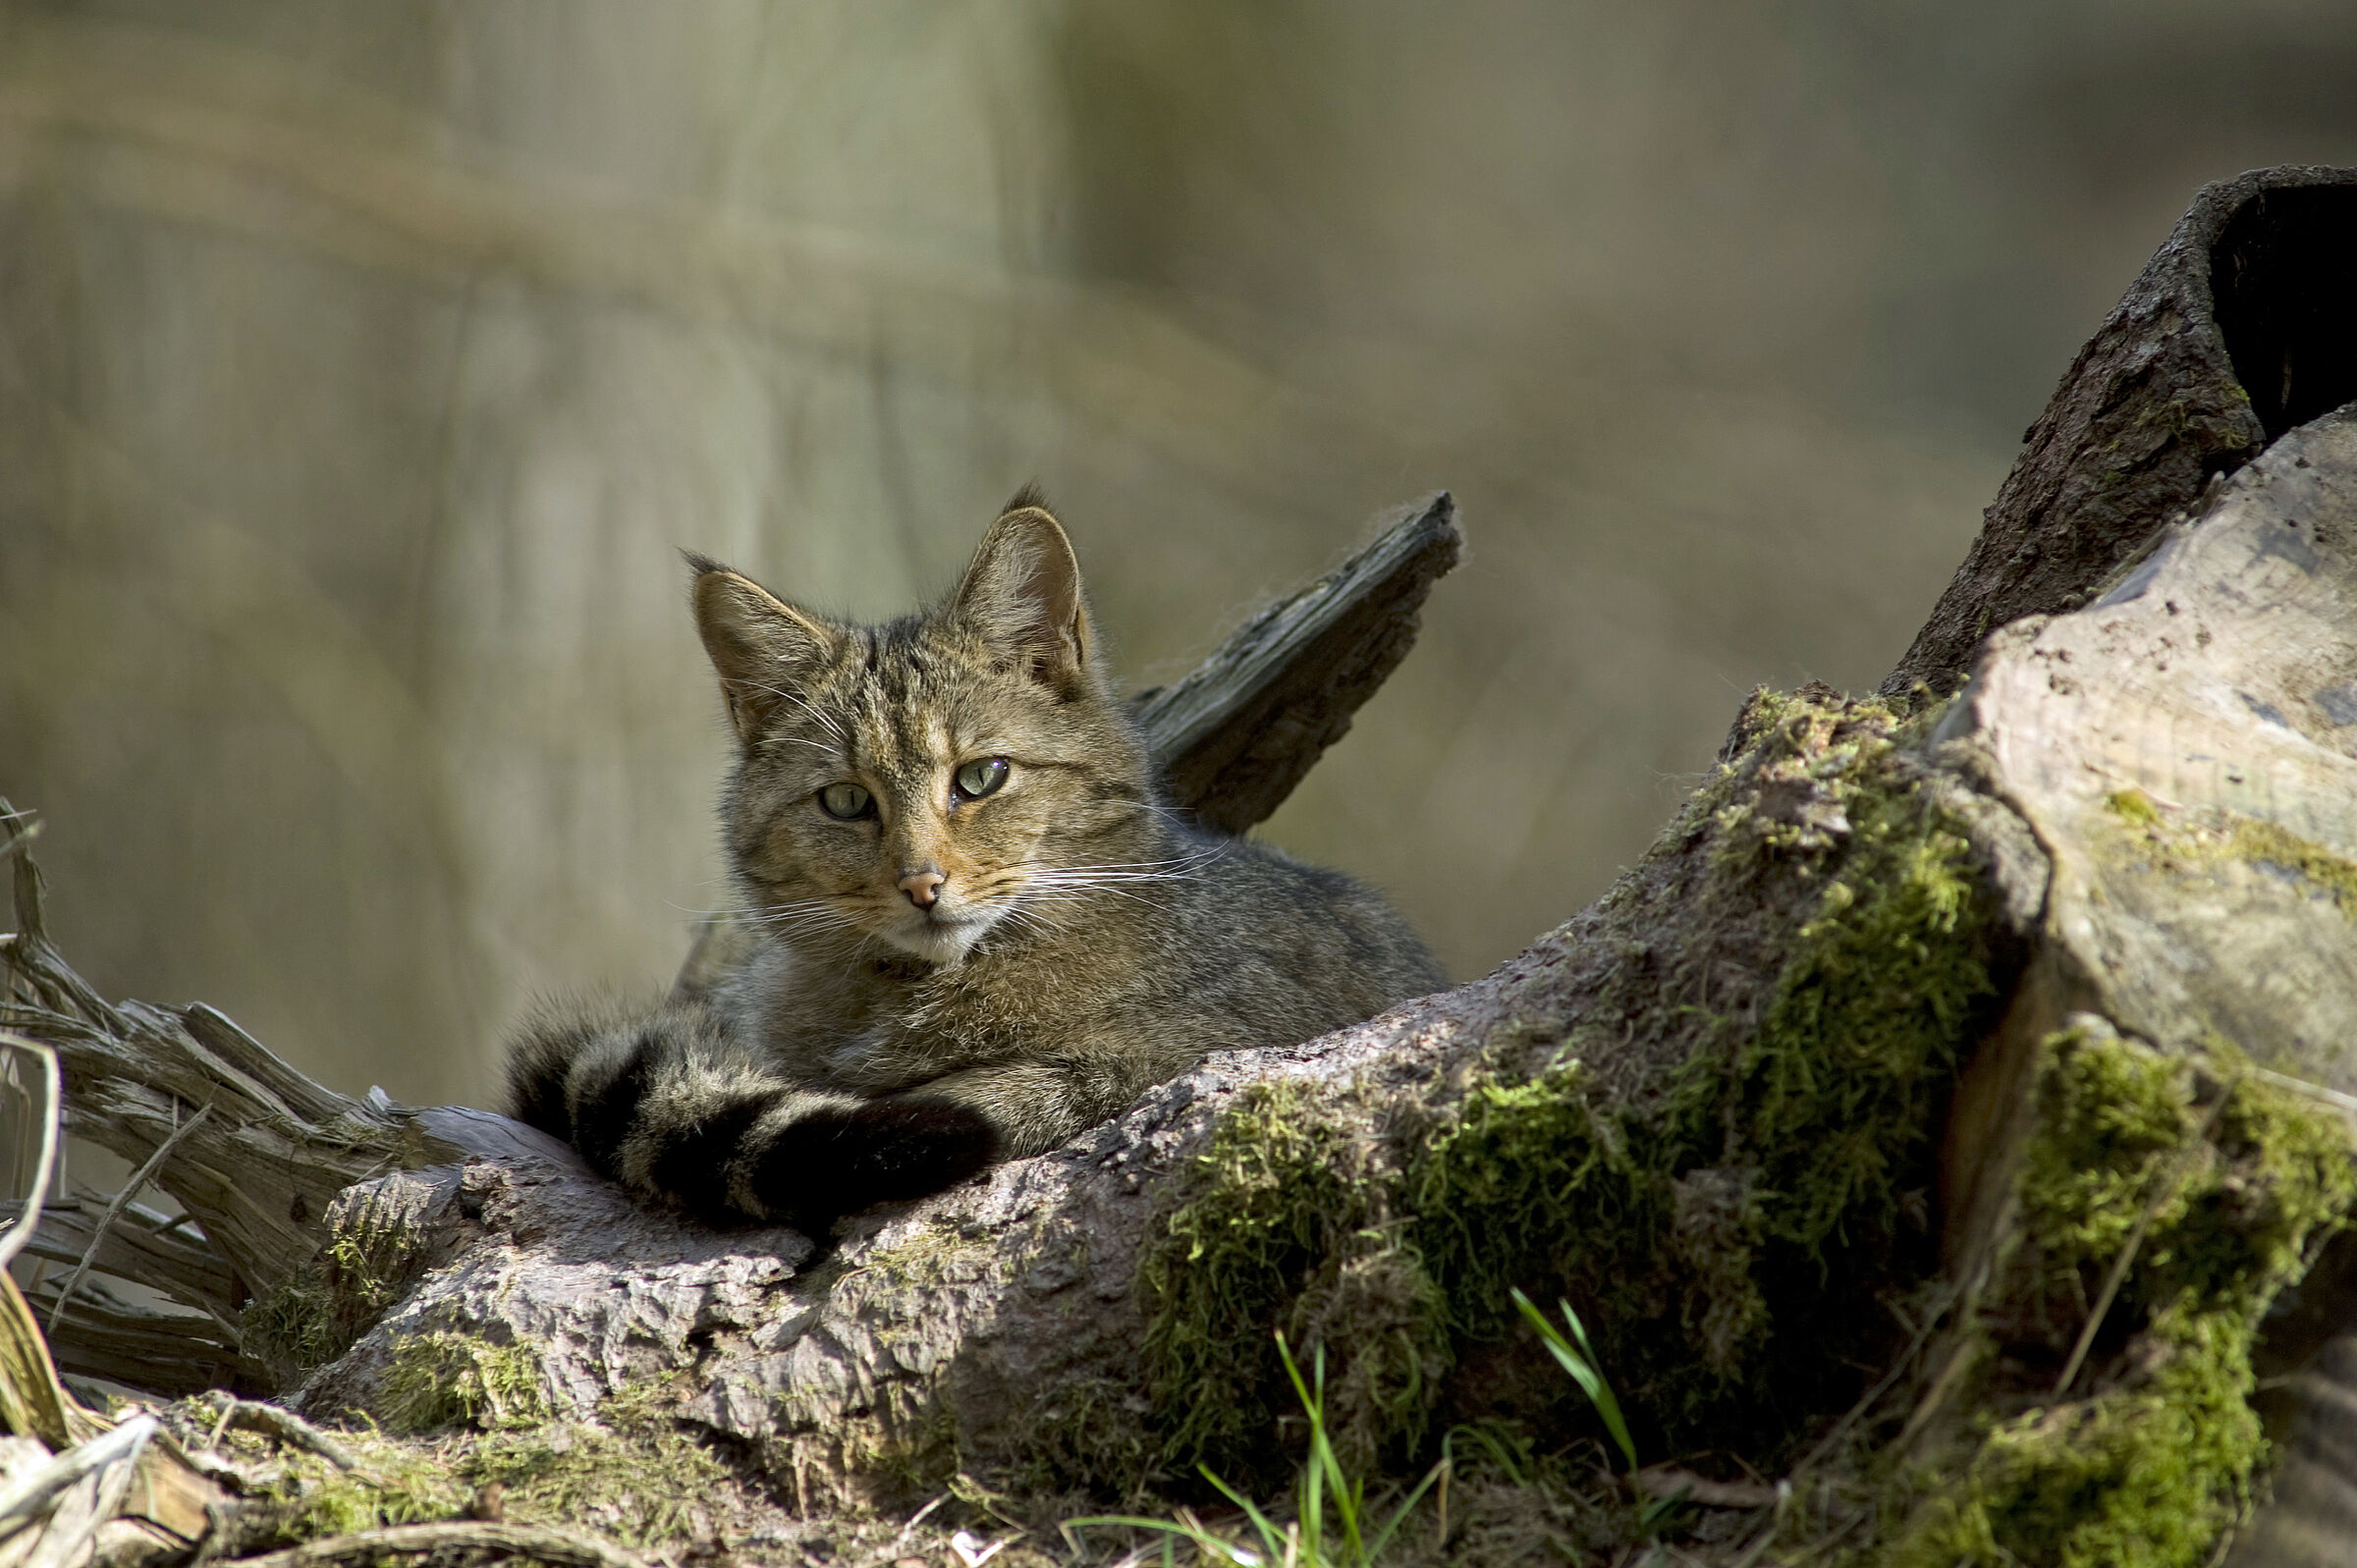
2113, 1124
439, 1378
1773, 1167
2149, 1478
290, 1328
2272, 844
635, 1472
1281, 1227
2232, 837
639, 1475
2133, 806
313, 1316
2147, 1471
944, 1251
367, 1261
1258, 1209
1747, 1163
1087, 1436
1532, 1181
1834, 1092
396, 1486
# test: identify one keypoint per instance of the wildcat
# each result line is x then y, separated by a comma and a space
980, 929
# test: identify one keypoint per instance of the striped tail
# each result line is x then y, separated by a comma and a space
663, 1103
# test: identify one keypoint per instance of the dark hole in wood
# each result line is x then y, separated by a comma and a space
2283, 274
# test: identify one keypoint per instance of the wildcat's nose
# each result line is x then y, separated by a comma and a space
920, 887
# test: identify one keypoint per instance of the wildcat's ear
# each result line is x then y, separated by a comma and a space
762, 646
1023, 594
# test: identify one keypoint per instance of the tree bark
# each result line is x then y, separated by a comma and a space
2242, 326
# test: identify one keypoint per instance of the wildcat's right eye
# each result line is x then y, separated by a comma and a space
978, 779
845, 802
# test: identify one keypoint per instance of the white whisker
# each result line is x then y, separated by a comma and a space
826, 721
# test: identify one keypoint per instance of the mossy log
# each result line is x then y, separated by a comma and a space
1947, 1115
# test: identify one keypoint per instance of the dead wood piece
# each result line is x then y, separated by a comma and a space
143, 1245
597, 1290
260, 1172
114, 1211
529, 1542
2177, 743
2243, 325
124, 1496
27, 1497
32, 1398
1237, 733
2185, 750
166, 1353
284, 1424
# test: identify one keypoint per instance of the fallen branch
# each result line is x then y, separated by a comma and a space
284, 1424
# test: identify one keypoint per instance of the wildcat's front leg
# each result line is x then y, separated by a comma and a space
1034, 1105
664, 1103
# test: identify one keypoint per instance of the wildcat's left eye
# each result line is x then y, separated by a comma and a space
978, 779
845, 802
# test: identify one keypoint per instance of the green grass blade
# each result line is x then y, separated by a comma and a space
1608, 1405
1324, 1470
1170, 1531
1391, 1526
1580, 1362
1272, 1540
1504, 1457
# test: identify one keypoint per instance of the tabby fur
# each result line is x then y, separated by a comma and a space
947, 978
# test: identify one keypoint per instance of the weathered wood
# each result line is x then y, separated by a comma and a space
1247, 725
2218, 683
2185, 748
2243, 325
142, 1245
276, 1150
168, 1353
55, 1507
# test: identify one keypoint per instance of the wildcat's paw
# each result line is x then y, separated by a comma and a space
840, 1159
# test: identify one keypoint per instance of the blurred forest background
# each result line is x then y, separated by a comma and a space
364, 364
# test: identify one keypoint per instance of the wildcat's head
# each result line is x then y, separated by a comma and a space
923, 782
